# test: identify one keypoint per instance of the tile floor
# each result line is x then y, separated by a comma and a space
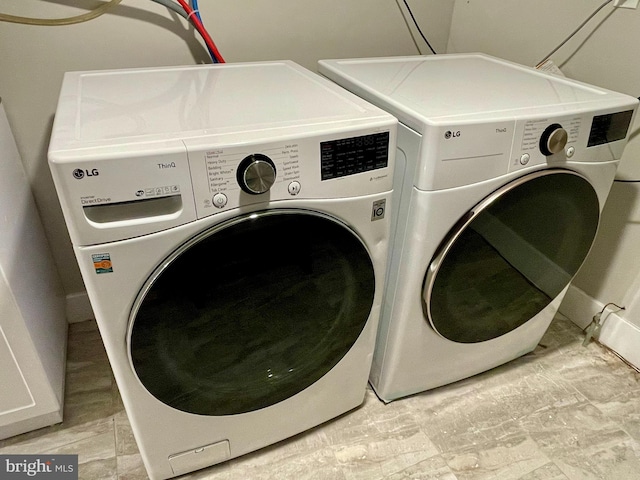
561, 412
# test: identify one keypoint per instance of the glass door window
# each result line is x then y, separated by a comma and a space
251, 312
510, 256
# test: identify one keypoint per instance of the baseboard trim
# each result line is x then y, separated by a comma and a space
78, 307
623, 337
579, 307
617, 333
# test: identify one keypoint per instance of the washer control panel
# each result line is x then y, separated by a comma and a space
329, 166
135, 195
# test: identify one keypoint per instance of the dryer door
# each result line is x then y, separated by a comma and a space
251, 312
510, 256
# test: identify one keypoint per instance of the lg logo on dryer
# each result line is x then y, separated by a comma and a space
79, 173
449, 134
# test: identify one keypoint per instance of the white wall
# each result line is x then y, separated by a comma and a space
604, 53
140, 33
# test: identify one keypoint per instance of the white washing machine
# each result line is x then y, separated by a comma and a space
231, 228
501, 174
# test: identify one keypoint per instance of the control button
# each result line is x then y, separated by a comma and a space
256, 174
219, 200
553, 139
570, 151
294, 188
524, 158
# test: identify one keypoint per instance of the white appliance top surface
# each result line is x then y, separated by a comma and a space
460, 85
135, 106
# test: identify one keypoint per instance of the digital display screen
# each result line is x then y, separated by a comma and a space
348, 156
609, 128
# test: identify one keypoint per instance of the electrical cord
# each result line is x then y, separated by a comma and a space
52, 22
574, 32
593, 329
415, 22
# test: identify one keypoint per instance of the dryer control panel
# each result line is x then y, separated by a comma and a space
475, 151
582, 137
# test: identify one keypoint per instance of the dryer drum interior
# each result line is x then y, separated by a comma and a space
251, 312
511, 256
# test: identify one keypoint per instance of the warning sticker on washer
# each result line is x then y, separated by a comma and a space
102, 262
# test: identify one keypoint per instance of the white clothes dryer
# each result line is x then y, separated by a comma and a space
501, 174
230, 225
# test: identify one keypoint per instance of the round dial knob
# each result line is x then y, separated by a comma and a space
256, 174
553, 139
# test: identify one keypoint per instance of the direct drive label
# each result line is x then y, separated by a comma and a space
102, 262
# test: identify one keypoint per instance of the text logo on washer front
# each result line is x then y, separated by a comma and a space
79, 173
450, 134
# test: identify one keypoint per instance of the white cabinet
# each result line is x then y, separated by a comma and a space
33, 327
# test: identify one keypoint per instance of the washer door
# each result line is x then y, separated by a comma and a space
251, 312
510, 256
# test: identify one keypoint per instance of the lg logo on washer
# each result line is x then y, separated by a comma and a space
79, 173
449, 134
